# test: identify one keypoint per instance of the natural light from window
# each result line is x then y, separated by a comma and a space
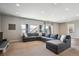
33, 28
23, 28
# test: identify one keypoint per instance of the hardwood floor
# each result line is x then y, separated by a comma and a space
38, 48
74, 50
34, 48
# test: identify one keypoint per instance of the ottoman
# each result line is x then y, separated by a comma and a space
56, 46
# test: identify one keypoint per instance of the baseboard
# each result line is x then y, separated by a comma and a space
76, 38
14, 41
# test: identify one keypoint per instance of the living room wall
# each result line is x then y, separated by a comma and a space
56, 28
75, 34
16, 34
63, 28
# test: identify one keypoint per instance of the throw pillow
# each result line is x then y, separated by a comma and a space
25, 34
52, 36
40, 34
62, 37
59, 36
47, 35
43, 34
56, 36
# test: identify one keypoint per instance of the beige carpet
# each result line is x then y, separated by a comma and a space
38, 48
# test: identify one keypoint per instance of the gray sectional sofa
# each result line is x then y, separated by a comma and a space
35, 36
53, 42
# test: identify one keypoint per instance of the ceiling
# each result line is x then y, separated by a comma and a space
54, 12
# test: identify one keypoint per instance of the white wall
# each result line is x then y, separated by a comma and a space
16, 34
56, 28
75, 34
0, 23
63, 28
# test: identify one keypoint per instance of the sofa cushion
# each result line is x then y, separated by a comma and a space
67, 39
59, 36
43, 34
55, 42
32, 34
25, 34
43, 37
54, 36
40, 34
47, 35
63, 37
49, 39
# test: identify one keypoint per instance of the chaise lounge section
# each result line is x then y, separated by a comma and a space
58, 46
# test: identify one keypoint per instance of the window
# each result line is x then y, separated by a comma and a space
12, 26
47, 29
43, 28
52, 29
23, 28
33, 28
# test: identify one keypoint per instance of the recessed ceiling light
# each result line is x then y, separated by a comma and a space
16, 12
66, 9
77, 14
42, 12
64, 18
17, 4
54, 18
55, 3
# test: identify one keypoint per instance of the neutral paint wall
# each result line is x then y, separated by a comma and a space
75, 34
0, 23
56, 28
63, 28
16, 34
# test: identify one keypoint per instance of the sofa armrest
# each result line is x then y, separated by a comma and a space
67, 42
4, 39
68, 39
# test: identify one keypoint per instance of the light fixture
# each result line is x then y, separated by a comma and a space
66, 9
54, 18
17, 4
77, 14
16, 12
42, 12
64, 18
55, 3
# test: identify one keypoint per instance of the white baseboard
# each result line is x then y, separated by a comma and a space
14, 40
